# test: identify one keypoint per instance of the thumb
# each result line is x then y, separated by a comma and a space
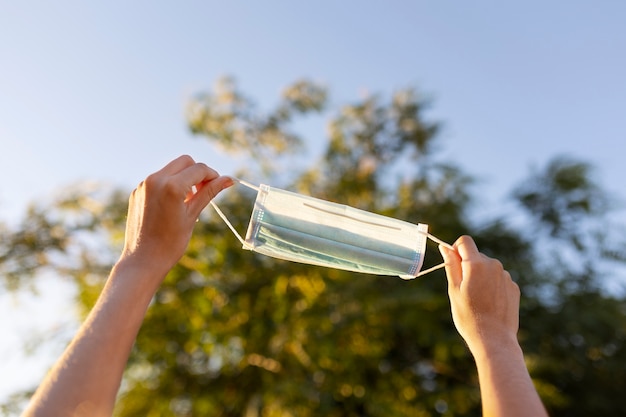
217, 185
207, 191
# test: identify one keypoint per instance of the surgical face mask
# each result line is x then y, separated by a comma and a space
299, 228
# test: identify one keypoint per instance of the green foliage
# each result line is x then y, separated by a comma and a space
28, 249
575, 333
76, 235
562, 195
16, 402
232, 120
234, 333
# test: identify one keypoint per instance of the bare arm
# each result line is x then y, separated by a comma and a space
161, 215
485, 309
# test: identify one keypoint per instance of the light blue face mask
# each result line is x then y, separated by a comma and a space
308, 230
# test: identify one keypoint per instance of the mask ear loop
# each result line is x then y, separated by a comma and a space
440, 242
245, 244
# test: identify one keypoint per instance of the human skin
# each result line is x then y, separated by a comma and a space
485, 309
162, 212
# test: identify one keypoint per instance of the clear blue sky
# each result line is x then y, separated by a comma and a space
96, 90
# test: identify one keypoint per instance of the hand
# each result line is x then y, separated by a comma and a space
484, 299
161, 215
164, 208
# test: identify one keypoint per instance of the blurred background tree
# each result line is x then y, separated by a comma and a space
233, 333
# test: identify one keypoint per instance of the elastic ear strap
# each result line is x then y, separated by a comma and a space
442, 243
437, 240
434, 268
230, 226
246, 183
223, 216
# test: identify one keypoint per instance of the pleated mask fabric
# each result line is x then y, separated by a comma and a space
299, 228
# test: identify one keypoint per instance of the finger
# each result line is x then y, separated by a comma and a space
506, 275
215, 187
452, 261
194, 175
207, 191
177, 165
466, 248
515, 289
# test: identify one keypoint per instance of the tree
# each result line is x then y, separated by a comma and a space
233, 333
575, 322
277, 337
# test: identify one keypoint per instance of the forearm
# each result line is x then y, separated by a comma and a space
162, 212
505, 384
86, 378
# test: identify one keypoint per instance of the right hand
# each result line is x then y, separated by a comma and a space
164, 208
483, 298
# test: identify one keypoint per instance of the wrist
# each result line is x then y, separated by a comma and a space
151, 257
141, 269
489, 347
